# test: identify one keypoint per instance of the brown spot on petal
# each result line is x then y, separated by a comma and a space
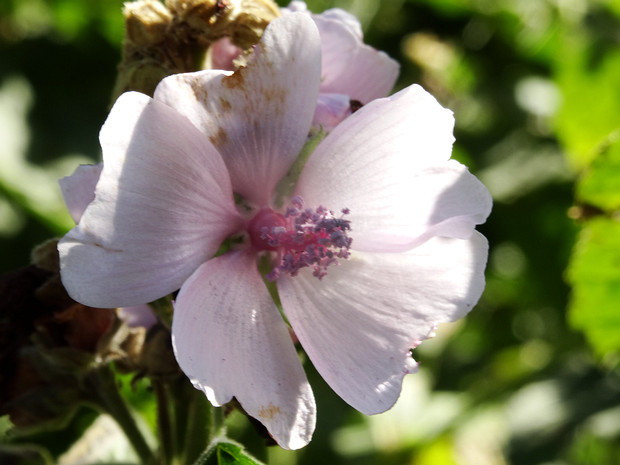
234, 80
199, 91
225, 104
277, 95
219, 138
267, 413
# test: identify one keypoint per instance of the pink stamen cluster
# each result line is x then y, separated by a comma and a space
302, 238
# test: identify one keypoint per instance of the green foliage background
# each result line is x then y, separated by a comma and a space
531, 376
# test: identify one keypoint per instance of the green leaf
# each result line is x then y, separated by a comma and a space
594, 273
600, 185
223, 451
229, 453
594, 269
588, 79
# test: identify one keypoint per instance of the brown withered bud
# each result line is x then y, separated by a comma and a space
51, 292
141, 75
205, 19
66, 323
253, 18
49, 343
19, 309
242, 20
27, 392
146, 22
161, 40
150, 50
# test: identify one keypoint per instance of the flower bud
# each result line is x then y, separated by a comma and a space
163, 40
49, 344
253, 18
146, 22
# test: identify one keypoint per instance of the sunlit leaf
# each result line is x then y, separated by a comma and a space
590, 112
439, 451
600, 185
594, 273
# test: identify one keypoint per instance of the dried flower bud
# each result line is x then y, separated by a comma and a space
140, 75
206, 18
253, 18
49, 344
161, 40
146, 22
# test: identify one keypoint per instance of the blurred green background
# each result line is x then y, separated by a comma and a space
531, 375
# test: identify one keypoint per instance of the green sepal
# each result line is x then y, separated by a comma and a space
223, 451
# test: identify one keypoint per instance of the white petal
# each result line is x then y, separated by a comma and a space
138, 316
346, 20
259, 117
78, 189
331, 109
295, 6
358, 323
348, 65
388, 163
230, 340
162, 207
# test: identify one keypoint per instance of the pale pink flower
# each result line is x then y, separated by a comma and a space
386, 250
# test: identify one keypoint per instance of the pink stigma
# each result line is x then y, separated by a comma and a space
301, 237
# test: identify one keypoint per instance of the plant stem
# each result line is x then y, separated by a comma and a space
199, 413
165, 428
106, 396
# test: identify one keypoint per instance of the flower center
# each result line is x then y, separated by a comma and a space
301, 237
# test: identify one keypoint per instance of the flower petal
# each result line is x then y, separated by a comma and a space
348, 65
358, 323
259, 117
331, 110
162, 207
231, 341
138, 316
295, 6
78, 189
388, 163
